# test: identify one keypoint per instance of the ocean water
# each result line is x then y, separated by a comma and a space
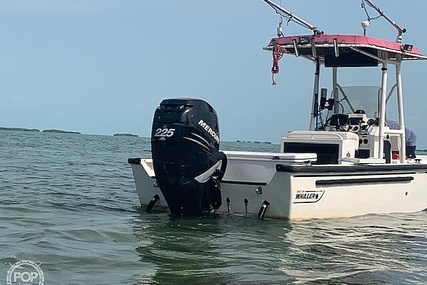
69, 202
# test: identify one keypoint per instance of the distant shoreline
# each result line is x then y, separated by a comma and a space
264, 142
124, 135
18, 129
57, 131
37, 130
61, 132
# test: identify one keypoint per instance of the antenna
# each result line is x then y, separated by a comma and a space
291, 17
399, 29
365, 25
279, 28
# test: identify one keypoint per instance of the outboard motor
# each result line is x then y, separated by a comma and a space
186, 157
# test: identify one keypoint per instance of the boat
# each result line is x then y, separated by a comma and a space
350, 161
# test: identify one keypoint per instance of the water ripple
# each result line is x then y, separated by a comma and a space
69, 202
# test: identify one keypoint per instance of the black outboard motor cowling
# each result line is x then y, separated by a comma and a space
186, 156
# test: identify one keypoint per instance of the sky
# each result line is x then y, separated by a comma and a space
103, 66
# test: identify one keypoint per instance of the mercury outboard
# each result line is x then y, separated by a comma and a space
186, 157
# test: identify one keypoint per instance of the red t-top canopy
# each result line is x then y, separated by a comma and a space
345, 50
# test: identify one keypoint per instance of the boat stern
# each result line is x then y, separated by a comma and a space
145, 182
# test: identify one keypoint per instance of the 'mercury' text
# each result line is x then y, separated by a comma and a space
209, 130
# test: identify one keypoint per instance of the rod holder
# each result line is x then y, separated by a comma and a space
263, 209
151, 203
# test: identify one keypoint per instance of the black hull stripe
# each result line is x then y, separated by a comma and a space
338, 182
363, 181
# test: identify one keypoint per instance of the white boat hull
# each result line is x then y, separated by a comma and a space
353, 160
298, 191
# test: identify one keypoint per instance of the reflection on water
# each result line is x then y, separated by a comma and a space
241, 250
215, 249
